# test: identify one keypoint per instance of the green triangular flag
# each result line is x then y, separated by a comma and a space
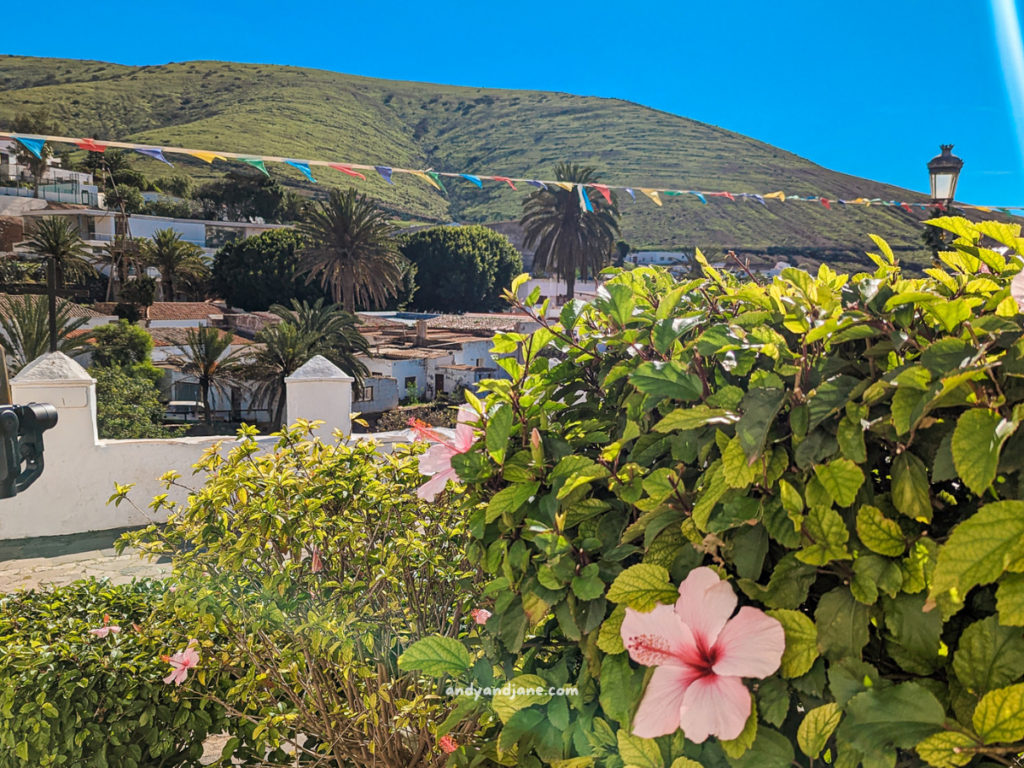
255, 163
437, 179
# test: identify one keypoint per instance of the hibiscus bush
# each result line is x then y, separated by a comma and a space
303, 570
836, 456
81, 682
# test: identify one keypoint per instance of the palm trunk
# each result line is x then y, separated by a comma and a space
167, 283
279, 410
570, 284
204, 387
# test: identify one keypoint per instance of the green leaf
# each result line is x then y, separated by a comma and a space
735, 748
510, 499
842, 479
981, 548
643, 753
609, 639
817, 728
435, 656
666, 379
999, 716
910, 487
977, 441
830, 535
519, 724
507, 704
642, 587
773, 700
850, 435
788, 586
685, 419
1010, 600
989, 656
917, 631
842, 624
685, 762
499, 426
874, 573
947, 749
801, 642
901, 716
760, 408
878, 533
712, 492
620, 687
737, 473
770, 750
588, 587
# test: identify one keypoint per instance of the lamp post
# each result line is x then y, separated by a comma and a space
944, 170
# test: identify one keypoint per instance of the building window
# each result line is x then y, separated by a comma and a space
366, 396
410, 381
479, 362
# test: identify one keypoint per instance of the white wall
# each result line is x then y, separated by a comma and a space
385, 395
146, 226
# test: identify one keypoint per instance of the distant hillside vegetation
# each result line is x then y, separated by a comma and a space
313, 114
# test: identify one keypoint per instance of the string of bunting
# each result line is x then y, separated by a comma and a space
34, 144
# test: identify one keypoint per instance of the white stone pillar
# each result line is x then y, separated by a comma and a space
321, 391
58, 380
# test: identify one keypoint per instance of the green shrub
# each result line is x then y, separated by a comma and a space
844, 451
311, 567
69, 698
128, 404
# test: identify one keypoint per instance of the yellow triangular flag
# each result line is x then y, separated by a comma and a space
653, 195
862, 201
207, 157
426, 178
564, 185
780, 196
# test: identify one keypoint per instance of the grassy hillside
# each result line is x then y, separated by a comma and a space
324, 115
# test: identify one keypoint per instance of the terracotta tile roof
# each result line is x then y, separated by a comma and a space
74, 310
178, 337
174, 310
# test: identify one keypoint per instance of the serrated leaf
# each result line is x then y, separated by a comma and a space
736, 471
981, 548
643, 753
435, 656
770, 750
1010, 600
801, 642
507, 704
989, 656
842, 479
685, 762
816, 728
642, 587
666, 379
609, 639
510, 499
910, 493
999, 716
977, 441
711, 494
773, 700
788, 586
685, 419
735, 748
519, 724
947, 749
901, 715
878, 533
760, 408
842, 624
829, 533
499, 426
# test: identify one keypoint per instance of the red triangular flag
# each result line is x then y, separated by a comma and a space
941, 207
346, 169
722, 194
507, 181
90, 145
824, 201
604, 191
906, 207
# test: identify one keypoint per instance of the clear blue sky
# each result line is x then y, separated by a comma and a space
869, 88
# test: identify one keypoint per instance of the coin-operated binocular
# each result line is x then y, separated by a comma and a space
21, 445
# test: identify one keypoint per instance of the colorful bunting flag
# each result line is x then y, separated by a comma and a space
437, 180
207, 157
385, 173
537, 184
607, 193
35, 146
90, 145
631, 193
760, 199
564, 185
473, 179
722, 194
780, 196
430, 181
302, 167
672, 193
585, 204
255, 163
506, 180
653, 194
907, 207
153, 152
824, 201
347, 170
700, 197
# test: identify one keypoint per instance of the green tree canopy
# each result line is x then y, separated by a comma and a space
262, 270
127, 405
121, 344
26, 330
247, 197
461, 269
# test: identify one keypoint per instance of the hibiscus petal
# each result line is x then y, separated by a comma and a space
191, 657
750, 645
438, 458
705, 603
465, 435
467, 415
714, 706
658, 637
658, 714
429, 490
170, 678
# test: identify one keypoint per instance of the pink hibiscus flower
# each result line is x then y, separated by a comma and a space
106, 629
182, 662
448, 744
480, 615
437, 461
701, 656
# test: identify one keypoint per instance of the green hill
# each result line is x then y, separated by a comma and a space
314, 114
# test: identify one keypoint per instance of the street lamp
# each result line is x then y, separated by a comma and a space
944, 170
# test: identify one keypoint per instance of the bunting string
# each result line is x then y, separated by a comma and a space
34, 144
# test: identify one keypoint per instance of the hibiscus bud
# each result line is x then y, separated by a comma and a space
480, 615
536, 447
317, 564
448, 744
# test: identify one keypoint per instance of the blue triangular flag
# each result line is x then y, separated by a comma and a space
35, 146
538, 184
760, 200
473, 179
631, 193
699, 196
304, 167
585, 203
154, 153
384, 172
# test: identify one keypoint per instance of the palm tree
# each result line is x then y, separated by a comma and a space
26, 330
350, 244
568, 238
34, 123
281, 349
174, 258
206, 362
335, 331
56, 240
